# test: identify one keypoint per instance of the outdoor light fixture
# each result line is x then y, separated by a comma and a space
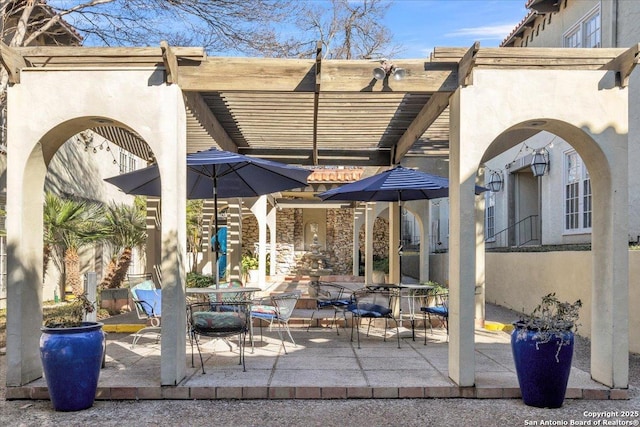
386, 69
495, 181
540, 162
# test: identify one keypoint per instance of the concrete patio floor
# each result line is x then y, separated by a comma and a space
322, 365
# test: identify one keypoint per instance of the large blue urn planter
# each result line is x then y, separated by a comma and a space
543, 367
71, 359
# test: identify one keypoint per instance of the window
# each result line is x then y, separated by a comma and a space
586, 33
577, 194
410, 230
127, 161
490, 216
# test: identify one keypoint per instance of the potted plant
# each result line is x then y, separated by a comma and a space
380, 270
431, 289
72, 351
542, 346
250, 268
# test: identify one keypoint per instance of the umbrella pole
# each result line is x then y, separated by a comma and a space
216, 246
400, 248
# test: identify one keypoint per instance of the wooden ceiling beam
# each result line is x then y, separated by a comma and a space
425, 118
170, 63
12, 61
624, 64
208, 121
316, 99
297, 75
326, 157
465, 67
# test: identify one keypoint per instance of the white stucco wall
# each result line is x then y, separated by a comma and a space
552, 190
518, 280
619, 28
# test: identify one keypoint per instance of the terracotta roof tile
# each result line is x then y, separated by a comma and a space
335, 175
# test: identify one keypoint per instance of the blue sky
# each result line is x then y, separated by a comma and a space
420, 25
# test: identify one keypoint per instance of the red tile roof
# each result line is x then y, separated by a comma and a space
335, 175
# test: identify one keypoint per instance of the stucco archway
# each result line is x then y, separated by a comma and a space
96, 95
596, 124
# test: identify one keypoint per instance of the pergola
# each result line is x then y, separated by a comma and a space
468, 103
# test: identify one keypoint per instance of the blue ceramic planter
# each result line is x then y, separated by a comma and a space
543, 371
71, 359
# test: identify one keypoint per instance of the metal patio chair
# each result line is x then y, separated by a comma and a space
147, 300
330, 297
374, 302
279, 312
224, 319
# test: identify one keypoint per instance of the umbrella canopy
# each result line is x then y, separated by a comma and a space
393, 185
216, 173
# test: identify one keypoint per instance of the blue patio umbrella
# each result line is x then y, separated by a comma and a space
216, 173
394, 185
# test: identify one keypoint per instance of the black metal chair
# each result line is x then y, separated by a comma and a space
374, 302
222, 319
439, 309
330, 297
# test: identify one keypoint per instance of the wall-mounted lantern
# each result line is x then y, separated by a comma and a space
540, 162
495, 181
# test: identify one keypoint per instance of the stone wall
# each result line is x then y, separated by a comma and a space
340, 240
290, 240
380, 238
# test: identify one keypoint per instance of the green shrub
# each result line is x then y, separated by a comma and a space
197, 280
381, 264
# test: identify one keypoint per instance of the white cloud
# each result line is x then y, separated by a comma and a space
484, 32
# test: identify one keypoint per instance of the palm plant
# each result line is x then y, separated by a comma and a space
194, 231
127, 229
70, 225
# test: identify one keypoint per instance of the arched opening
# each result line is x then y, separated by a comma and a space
556, 221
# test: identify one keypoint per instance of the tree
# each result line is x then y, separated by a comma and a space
70, 225
126, 226
194, 231
346, 29
217, 25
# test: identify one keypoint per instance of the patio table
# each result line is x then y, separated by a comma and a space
410, 292
219, 293
413, 297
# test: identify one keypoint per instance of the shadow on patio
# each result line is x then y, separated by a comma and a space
323, 365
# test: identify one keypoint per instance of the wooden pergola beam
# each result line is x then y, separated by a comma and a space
465, 67
12, 61
326, 157
208, 121
624, 64
436, 104
316, 100
299, 75
170, 63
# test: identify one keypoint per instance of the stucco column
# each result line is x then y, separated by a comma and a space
355, 249
234, 239
370, 218
480, 274
462, 248
273, 253
420, 208
259, 209
395, 275
170, 143
25, 178
610, 290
